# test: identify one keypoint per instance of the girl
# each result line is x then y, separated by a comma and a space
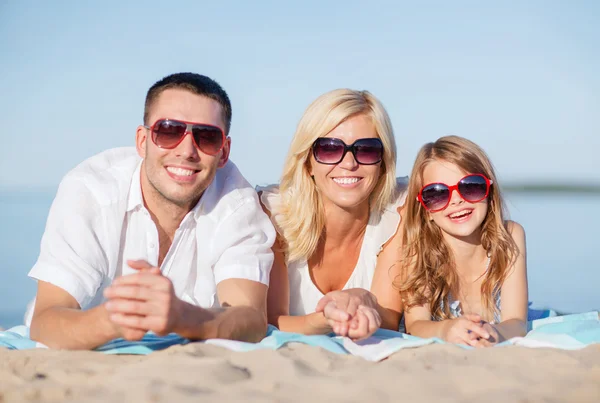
465, 276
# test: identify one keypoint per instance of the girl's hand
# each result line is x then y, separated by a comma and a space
494, 336
468, 329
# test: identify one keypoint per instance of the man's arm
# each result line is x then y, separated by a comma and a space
242, 315
58, 322
69, 272
146, 301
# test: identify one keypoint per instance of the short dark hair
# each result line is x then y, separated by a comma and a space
195, 83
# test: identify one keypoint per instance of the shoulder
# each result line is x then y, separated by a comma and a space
269, 198
401, 193
517, 233
390, 222
515, 229
104, 178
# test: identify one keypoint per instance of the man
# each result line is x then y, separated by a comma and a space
173, 242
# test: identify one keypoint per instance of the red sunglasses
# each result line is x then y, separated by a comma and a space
168, 133
472, 188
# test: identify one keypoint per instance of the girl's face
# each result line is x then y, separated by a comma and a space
347, 184
460, 219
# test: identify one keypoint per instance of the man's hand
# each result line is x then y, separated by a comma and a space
144, 301
467, 329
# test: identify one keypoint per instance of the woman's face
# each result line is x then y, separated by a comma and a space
460, 219
347, 184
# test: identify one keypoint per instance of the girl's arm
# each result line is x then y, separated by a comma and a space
388, 271
464, 330
514, 291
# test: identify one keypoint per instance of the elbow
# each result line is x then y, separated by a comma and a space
37, 333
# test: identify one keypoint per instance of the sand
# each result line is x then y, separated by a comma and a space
200, 372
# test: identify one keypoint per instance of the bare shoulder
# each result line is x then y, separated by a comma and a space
515, 229
517, 232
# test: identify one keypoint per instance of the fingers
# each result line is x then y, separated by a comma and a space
158, 325
373, 318
353, 305
128, 291
339, 328
146, 279
141, 265
332, 312
129, 307
133, 334
130, 321
362, 330
477, 330
322, 303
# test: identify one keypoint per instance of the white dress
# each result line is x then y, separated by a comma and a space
304, 294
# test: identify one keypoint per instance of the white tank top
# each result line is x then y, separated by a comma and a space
304, 294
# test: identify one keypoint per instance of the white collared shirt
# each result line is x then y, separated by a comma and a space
98, 221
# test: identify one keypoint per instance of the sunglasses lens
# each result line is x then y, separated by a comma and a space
328, 150
435, 196
368, 151
208, 138
168, 133
473, 188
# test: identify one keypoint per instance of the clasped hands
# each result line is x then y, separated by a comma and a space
470, 329
143, 301
352, 313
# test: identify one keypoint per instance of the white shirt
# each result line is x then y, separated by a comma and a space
98, 221
304, 294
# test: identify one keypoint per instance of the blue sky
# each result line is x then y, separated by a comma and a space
519, 78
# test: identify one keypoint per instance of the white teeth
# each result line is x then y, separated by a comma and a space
345, 181
459, 213
180, 171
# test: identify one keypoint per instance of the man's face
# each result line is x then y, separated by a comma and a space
179, 175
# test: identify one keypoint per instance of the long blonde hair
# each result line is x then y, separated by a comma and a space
429, 273
301, 217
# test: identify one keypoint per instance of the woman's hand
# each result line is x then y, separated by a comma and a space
351, 313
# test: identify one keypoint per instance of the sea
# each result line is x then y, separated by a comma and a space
562, 231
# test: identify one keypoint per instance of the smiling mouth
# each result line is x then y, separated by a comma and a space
460, 214
347, 180
181, 171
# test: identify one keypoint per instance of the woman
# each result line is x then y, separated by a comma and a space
336, 211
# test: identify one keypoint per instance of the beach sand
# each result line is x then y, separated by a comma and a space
299, 373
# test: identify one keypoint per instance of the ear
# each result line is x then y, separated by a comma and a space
225, 153
141, 136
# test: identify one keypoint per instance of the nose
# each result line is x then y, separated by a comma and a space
187, 148
455, 197
348, 162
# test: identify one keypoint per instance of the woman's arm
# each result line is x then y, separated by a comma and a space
278, 298
278, 302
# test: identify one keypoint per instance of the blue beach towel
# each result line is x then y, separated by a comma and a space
565, 332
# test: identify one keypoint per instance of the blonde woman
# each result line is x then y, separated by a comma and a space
336, 211
466, 266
